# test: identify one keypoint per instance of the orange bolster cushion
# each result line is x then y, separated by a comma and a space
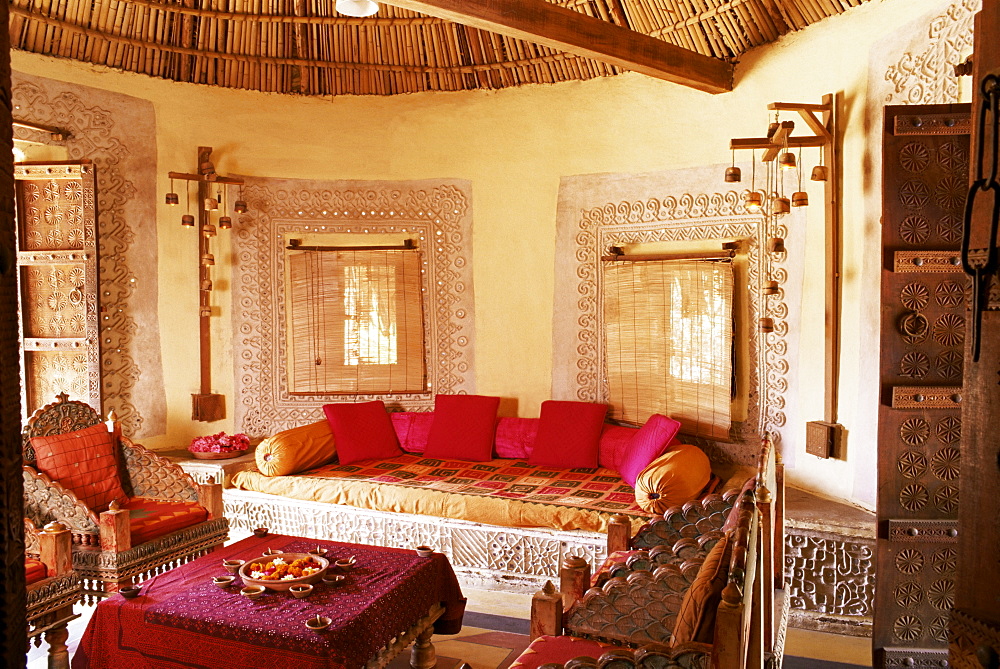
296, 450
675, 477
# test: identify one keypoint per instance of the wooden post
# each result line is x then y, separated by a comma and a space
574, 579
116, 536
546, 612
56, 549
619, 534
210, 497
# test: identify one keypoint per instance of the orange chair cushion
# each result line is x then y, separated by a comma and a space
85, 462
696, 617
34, 570
558, 650
152, 518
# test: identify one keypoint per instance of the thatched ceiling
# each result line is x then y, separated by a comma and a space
306, 47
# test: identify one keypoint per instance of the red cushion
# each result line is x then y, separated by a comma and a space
615, 440
463, 427
515, 437
84, 462
649, 443
152, 518
34, 570
412, 428
362, 431
558, 650
568, 434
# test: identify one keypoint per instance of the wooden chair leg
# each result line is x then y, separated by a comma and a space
423, 655
58, 652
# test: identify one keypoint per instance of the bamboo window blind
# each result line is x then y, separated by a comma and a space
355, 321
668, 343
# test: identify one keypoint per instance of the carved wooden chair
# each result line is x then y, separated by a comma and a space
52, 588
701, 578
158, 517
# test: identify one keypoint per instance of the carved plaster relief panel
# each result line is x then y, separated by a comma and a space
114, 132
587, 232
437, 213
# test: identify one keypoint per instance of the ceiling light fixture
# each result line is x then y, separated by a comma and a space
357, 7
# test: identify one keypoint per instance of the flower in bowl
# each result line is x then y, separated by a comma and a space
300, 591
318, 623
282, 571
220, 443
223, 581
252, 591
232, 566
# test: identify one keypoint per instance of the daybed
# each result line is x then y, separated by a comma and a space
503, 518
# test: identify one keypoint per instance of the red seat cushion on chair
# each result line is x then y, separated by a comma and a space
83, 461
558, 650
34, 570
153, 518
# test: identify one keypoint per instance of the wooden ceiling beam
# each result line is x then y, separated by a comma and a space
553, 26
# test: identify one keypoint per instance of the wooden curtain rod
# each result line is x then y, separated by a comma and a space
727, 252
296, 245
55, 133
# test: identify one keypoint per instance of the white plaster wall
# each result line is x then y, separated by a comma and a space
514, 146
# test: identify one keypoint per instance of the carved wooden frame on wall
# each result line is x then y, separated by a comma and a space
436, 213
704, 217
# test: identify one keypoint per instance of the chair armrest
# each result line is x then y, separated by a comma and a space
210, 497
638, 609
693, 519
546, 612
150, 475
651, 656
116, 531
46, 500
55, 544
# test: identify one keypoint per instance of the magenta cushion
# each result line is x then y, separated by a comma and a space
362, 431
649, 443
463, 427
515, 437
614, 442
568, 434
413, 428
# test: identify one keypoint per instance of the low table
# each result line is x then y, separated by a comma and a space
181, 619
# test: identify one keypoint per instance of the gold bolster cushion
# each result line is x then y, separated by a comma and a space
295, 450
675, 477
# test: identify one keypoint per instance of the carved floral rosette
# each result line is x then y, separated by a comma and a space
716, 216
436, 213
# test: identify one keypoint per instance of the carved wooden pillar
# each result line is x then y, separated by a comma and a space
13, 628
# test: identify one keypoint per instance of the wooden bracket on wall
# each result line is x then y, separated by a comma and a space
821, 119
205, 405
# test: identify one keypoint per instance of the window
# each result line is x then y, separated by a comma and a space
355, 320
669, 342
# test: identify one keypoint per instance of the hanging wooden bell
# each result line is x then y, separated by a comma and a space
800, 198
172, 199
776, 245
211, 204
240, 207
207, 259
770, 288
206, 285
765, 325
187, 220
753, 201
780, 205
733, 174
819, 173
208, 230
787, 161
225, 222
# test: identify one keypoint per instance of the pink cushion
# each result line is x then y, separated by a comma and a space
413, 428
463, 427
362, 431
649, 443
615, 440
515, 437
568, 434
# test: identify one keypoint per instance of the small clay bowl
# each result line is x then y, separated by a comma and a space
261, 532
272, 551
319, 551
130, 592
425, 551
300, 591
232, 566
345, 564
333, 580
318, 623
223, 581
252, 591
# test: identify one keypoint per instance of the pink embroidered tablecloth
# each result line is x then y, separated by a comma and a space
181, 619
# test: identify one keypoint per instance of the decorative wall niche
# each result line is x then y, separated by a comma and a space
436, 212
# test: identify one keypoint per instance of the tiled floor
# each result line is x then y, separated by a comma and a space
495, 632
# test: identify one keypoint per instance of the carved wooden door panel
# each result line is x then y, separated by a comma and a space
57, 261
975, 624
925, 172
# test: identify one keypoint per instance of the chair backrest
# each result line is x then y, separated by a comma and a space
62, 416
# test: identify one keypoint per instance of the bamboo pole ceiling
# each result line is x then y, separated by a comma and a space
305, 47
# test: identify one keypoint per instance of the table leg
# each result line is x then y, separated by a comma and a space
422, 655
58, 653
